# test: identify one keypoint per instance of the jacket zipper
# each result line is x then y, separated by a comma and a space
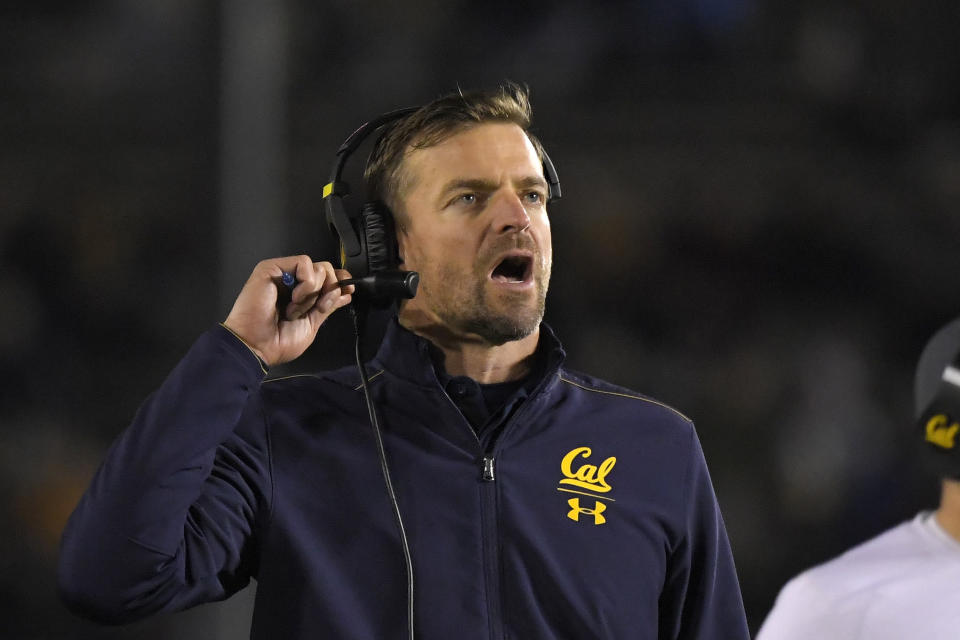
491, 550
488, 530
488, 517
488, 469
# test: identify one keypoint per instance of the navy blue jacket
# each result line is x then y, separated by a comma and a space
600, 520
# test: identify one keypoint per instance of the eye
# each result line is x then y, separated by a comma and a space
468, 199
534, 197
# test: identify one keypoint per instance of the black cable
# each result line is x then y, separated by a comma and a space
375, 423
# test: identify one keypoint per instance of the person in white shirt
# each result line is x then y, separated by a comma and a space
904, 583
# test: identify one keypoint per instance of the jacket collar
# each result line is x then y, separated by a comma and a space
407, 355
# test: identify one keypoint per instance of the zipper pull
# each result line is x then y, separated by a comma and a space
488, 474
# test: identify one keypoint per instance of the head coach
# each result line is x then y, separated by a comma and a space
460, 484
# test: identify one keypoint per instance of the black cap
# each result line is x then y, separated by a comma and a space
940, 351
936, 399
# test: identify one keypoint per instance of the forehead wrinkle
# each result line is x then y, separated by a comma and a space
484, 184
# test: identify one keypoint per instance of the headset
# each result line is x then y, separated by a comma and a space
368, 243
939, 424
368, 250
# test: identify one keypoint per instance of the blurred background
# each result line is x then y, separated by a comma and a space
760, 225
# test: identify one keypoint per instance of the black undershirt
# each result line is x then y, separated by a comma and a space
485, 406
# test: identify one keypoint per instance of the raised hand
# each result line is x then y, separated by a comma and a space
277, 334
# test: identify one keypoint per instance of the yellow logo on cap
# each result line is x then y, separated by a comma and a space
940, 432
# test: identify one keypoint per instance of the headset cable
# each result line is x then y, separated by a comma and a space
384, 467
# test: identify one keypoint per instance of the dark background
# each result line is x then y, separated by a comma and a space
759, 226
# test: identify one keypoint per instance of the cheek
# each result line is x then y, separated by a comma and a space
447, 246
547, 262
423, 254
546, 242
413, 249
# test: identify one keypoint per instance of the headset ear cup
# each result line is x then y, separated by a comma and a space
379, 237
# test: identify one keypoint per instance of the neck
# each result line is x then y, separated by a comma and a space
472, 356
948, 515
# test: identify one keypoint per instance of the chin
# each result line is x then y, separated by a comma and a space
500, 329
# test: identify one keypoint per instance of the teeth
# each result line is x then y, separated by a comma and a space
507, 280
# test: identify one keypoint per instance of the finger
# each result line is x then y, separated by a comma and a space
343, 274
325, 295
315, 288
274, 268
308, 280
330, 278
324, 279
307, 292
279, 277
327, 305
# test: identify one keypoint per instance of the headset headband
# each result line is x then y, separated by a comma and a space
335, 190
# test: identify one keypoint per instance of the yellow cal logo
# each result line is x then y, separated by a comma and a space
939, 433
586, 476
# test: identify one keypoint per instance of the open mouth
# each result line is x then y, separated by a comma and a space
513, 269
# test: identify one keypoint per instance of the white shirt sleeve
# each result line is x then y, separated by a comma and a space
900, 584
806, 608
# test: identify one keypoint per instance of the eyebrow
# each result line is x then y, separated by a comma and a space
479, 184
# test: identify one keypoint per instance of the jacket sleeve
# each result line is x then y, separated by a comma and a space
701, 599
169, 519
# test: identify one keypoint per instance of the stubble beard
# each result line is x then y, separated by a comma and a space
512, 316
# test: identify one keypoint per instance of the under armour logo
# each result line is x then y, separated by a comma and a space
576, 510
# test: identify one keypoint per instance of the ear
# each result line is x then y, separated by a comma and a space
400, 232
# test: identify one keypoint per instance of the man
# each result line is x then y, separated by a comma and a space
538, 503
904, 582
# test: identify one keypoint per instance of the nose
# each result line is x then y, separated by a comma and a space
509, 214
